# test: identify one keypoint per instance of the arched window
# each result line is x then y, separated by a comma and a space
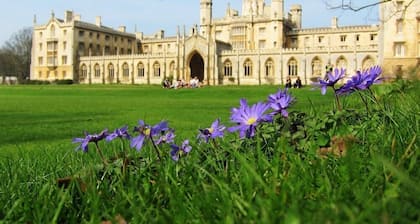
97, 71
227, 68
248, 67
83, 70
156, 69
367, 62
125, 70
172, 68
269, 67
140, 70
341, 62
111, 71
293, 67
316, 67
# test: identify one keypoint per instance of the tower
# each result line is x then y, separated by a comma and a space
296, 13
277, 8
206, 8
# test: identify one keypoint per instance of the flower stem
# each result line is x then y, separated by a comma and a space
100, 154
156, 148
364, 101
337, 100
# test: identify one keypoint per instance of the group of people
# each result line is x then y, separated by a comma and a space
297, 84
180, 83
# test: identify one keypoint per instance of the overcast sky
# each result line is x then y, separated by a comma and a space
152, 15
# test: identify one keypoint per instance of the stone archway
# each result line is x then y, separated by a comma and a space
197, 67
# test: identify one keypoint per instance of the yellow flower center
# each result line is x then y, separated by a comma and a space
147, 131
210, 130
251, 120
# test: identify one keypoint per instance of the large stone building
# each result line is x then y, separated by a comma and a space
262, 45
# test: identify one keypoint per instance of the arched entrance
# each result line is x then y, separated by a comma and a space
197, 67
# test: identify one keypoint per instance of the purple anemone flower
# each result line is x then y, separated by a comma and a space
168, 137
177, 151
373, 75
279, 102
247, 118
119, 133
361, 80
146, 131
332, 79
214, 131
90, 138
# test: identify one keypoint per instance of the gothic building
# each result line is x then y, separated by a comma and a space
260, 45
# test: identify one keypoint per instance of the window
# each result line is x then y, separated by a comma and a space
399, 50
373, 37
40, 34
367, 63
64, 45
316, 67
140, 70
294, 42
320, 39
269, 68
81, 33
248, 68
261, 30
341, 62
357, 37
293, 67
52, 46
40, 46
83, 73
110, 72
97, 71
399, 26
64, 32
227, 68
98, 36
126, 71
275, 44
107, 38
90, 35
52, 60
343, 38
172, 68
156, 69
64, 60
40, 61
261, 44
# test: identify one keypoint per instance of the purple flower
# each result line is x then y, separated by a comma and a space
248, 118
331, 80
279, 102
90, 138
215, 130
168, 137
177, 151
373, 75
119, 133
361, 80
146, 131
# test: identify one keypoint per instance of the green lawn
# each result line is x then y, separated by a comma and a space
56, 114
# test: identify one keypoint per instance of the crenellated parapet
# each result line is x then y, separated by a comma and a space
344, 29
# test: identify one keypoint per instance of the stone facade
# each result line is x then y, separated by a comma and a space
263, 45
400, 32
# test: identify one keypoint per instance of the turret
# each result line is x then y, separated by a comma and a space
277, 8
296, 15
206, 7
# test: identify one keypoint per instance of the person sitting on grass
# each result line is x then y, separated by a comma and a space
298, 83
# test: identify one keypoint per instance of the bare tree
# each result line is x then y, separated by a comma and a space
349, 5
15, 55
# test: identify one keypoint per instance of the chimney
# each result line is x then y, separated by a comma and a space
334, 22
68, 16
121, 29
98, 21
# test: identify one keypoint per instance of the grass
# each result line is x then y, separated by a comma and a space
231, 182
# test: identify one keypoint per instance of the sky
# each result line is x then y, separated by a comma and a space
149, 16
